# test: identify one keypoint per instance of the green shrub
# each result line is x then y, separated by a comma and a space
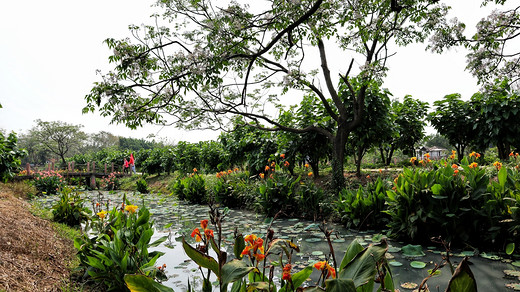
10, 156
142, 186
118, 244
48, 182
70, 209
191, 188
362, 208
232, 188
277, 193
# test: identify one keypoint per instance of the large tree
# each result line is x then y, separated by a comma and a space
219, 60
408, 122
59, 137
454, 118
493, 50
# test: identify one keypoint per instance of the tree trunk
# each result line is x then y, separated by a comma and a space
315, 168
338, 178
358, 161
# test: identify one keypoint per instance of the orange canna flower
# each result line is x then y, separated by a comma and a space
380, 170
254, 247
229, 171
455, 172
497, 165
413, 159
427, 155
273, 164
473, 165
511, 154
208, 233
282, 156
196, 233
286, 164
267, 168
306, 165
262, 175
204, 224
271, 176
323, 265
194, 170
454, 166
236, 169
310, 173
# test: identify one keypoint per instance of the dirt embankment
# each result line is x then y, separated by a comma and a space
32, 256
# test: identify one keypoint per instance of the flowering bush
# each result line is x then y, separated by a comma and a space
48, 182
191, 188
111, 182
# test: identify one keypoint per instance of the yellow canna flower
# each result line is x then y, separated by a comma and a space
131, 208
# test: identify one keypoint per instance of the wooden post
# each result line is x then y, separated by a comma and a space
73, 169
93, 166
112, 167
88, 166
93, 181
28, 168
105, 169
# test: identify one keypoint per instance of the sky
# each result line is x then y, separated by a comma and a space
50, 51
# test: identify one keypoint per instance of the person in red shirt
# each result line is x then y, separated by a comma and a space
132, 162
125, 166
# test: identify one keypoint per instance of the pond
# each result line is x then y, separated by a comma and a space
177, 219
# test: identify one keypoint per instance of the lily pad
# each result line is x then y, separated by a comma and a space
317, 253
395, 263
338, 240
412, 251
491, 256
514, 286
417, 264
393, 249
313, 239
512, 273
409, 285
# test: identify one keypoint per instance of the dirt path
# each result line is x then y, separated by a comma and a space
32, 256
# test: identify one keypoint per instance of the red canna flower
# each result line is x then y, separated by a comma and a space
204, 224
323, 265
286, 274
208, 233
282, 156
286, 164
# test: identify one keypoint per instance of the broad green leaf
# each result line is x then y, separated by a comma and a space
362, 268
235, 270
510, 248
141, 283
240, 244
96, 263
436, 189
463, 279
261, 286
352, 250
200, 258
502, 177
411, 250
340, 285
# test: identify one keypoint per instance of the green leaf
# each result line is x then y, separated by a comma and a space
463, 279
510, 248
261, 286
200, 258
94, 262
411, 250
240, 244
362, 268
502, 177
436, 189
340, 285
234, 270
141, 283
352, 250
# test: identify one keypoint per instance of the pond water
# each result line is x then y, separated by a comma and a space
183, 218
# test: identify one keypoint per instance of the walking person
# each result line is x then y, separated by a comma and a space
125, 166
132, 162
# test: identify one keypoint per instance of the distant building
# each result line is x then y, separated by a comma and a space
435, 152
